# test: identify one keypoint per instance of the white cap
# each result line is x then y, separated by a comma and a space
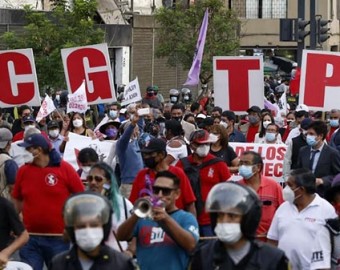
302, 107
122, 111
201, 115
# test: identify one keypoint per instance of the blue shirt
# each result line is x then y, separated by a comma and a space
56, 143
237, 136
157, 250
129, 156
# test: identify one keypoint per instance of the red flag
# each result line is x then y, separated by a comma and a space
294, 84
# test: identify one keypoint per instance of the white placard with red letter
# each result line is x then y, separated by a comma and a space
320, 80
92, 64
238, 82
272, 155
18, 79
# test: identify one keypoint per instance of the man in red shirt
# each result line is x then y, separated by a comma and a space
40, 191
269, 191
208, 175
254, 126
334, 119
154, 154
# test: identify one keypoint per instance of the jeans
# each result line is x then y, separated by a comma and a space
41, 249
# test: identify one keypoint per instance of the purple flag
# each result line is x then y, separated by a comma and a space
194, 73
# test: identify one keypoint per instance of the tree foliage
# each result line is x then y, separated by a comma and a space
49, 32
179, 30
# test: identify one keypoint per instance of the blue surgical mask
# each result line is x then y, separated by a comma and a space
334, 122
311, 140
270, 137
113, 114
246, 171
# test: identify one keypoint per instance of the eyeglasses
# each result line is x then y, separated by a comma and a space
97, 178
165, 190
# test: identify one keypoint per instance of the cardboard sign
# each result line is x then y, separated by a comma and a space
238, 82
272, 155
77, 142
92, 64
320, 80
18, 79
131, 93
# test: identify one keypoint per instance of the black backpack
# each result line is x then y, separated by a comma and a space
193, 173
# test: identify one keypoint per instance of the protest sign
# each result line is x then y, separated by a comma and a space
18, 79
47, 107
77, 102
272, 154
131, 93
77, 142
320, 80
238, 82
92, 64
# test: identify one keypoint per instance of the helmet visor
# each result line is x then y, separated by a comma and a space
86, 205
229, 198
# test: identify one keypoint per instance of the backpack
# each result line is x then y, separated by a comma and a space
193, 173
333, 226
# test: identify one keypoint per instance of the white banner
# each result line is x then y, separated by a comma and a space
77, 142
77, 102
131, 93
46, 108
272, 155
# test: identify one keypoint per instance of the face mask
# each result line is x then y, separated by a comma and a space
186, 97
57, 97
224, 124
179, 118
111, 132
292, 124
266, 123
289, 121
89, 238
77, 123
150, 162
288, 194
252, 119
113, 114
28, 127
173, 99
28, 157
311, 140
86, 169
228, 233
246, 171
203, 150
54, 133
334, 122
270, 137
150, 94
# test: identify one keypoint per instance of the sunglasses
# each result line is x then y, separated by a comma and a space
165, 190
97, 178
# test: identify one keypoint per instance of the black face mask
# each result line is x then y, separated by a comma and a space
167, 115
150, 94
150, 162
179, 119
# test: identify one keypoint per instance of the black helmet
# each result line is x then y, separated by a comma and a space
87, 203
174, 95
186, 95
230, 196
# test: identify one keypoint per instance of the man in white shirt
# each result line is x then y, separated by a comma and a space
301, 112
297, 220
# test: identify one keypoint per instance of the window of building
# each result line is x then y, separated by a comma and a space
255, 9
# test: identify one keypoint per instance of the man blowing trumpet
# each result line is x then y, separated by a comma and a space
171, 232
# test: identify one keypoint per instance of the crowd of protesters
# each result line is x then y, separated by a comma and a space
165, 196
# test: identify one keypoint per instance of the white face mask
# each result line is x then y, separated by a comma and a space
228, 233
86, 169
288, 194
203, 150
29, 126
54, 133
77, 123
89, 238
266, 123
224, 124
28, 157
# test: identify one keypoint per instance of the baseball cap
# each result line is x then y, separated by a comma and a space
35, 140
53, 124
302, 107
115, 123
305, 123
28, 118
5, 136
154, 145
254, 109
202, 136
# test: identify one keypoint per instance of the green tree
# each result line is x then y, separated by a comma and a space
49, 32
179, 28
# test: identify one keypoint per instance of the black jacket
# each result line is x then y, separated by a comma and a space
212, 256
108, 259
